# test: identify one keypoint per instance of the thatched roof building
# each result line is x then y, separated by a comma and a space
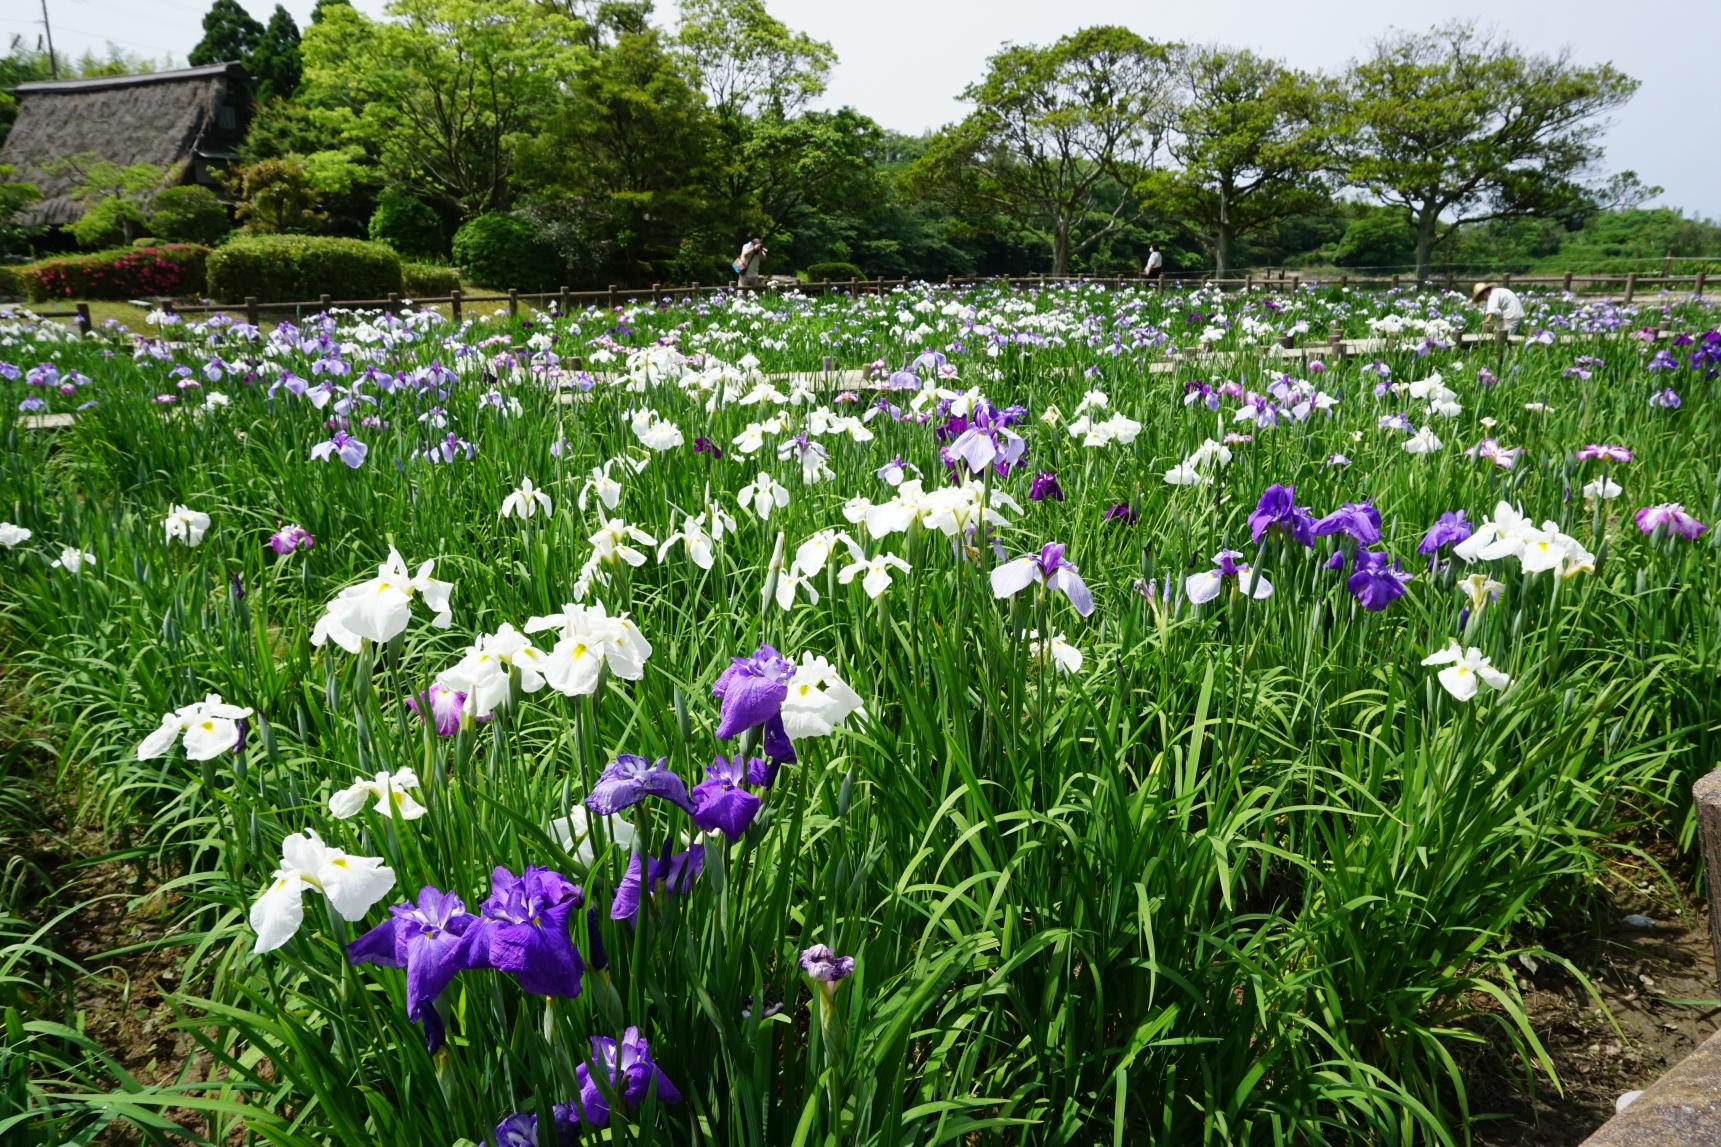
191, 120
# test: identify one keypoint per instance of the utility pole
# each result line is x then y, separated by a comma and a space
53, 60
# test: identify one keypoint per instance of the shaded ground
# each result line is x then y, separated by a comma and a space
1660, 985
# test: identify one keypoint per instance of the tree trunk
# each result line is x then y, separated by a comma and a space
1426, 223
1222, 235
1061, 248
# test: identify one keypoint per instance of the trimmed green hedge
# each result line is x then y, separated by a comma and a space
408, 225
833, 272
428, 280
298, 268
123, 273
506, 251
11, 281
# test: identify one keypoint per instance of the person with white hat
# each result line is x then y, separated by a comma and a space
1498, 303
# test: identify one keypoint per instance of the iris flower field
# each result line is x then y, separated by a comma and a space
956, 715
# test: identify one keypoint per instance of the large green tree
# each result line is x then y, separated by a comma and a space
229, 33
444, 91
751, 63
621, 175
275, 64
1456, 126
1248, 141
1060, 137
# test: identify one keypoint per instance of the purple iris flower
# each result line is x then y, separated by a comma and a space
627, 1072
343, 446
289, 538
1048, 568
1045, 485
719, 801
1120, 512
521, 1128
630, 778
524, 931
1374, 582
704, 445
425, 939
1358, 519
1671, 518
825, 966
1665, 399
761, 774
1278, 509
451, 447
445, 706
1448, 530
673, 871
1603, 452
752, 690
988, 441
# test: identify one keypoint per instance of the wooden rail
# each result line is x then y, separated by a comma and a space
566, 299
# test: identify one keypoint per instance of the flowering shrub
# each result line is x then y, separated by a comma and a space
123, 273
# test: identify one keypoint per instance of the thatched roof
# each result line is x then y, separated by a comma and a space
163, 118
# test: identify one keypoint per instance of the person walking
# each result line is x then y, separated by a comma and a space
1155, 262
747, 264
1498, 303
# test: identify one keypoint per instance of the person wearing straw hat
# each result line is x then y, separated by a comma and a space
1498, 303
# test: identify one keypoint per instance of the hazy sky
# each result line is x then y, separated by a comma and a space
904, 62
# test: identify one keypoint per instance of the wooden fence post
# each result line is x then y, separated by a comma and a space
1708, 796
1568, 286
1667, 265
393, 304
1335, 342
1296, 281
1395, 282
513, 302
1506, 279
655, 287
1697, 287
562, 303
251, 312
1451, 279
83, 318
1630, 285
1248, 283
324, 302
1345, 280
454, 305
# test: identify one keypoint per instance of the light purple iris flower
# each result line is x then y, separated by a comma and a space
672, 871
988, 441
1669, 518
1048, 568
343, 446
289, 538
1450, 529
1605, 453
628, 1072
825, 966
445, 706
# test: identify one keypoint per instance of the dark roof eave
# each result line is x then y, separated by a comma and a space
104, 83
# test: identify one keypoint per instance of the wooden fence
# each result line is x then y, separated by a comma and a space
1626, 285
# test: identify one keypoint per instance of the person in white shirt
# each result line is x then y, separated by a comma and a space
1498, 303
746, 265
1155, 261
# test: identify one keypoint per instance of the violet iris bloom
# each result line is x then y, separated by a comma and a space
1048, 568
1670, 518
1665, 399
1605, 453
1358, 519
1374, 583
987, 441
521, 1128
1450, 529
343, 446
627, 1072
703, 445
1045, 485
719, 801
673, 871
425, 939
289, 538
445, 706
524, 931
825, 966
1278, 509
630, 778
1120, 512
752, 690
